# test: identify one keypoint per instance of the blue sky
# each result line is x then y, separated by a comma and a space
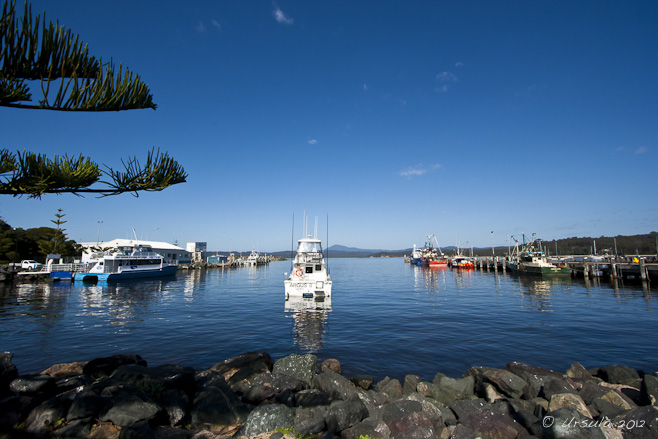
395, 119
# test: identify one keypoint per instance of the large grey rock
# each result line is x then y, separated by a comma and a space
267, 418
535, 376
157, 378
590, 390
44, 417
32, 384
14, 410
488, 423
311, 398
639, 423
569, 400
128, 408
436, 392
268, 385
64, 369
103, 367
649, 390
366, 428
389, 387
218, 405
567, 423
302, 367
309, 421
506, 382
435, 411
334, 385
406, 419
556, 385
7, 372
244, 366
87, 405
457, 388
175, 402
410, 384
618, 374
463, 408
344, 414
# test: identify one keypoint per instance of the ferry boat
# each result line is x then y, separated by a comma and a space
533, 260
309, 277
461, 261
127, 262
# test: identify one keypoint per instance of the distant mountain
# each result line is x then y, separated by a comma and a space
342, 248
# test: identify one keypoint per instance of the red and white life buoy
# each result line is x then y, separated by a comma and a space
299, 272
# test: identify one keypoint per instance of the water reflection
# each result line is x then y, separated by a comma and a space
310, 318
430, 279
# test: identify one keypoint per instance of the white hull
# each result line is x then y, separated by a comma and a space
307, 289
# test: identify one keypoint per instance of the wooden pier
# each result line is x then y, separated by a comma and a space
614, 268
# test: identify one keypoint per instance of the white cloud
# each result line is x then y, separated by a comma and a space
459, 64
281, 17
641, 150
365, 87
201, 28
216, 24
446, 77
312, 141
413, 172
442, 89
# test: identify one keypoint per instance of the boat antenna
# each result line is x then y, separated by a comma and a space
326, 263
315, 230
292, 243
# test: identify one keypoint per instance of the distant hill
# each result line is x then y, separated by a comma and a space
626, 245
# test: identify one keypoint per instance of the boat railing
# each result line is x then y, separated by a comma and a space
73, 268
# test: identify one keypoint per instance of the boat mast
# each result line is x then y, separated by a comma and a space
326, 263
292, 243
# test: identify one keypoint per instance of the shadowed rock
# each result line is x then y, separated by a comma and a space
103, 367
302, 367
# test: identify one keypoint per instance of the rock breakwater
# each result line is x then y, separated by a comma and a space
252, 395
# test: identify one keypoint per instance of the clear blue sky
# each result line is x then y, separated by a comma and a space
395, 119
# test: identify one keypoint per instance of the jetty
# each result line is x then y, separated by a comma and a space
644, 268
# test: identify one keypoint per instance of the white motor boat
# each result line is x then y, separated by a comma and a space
309, 277
133, 262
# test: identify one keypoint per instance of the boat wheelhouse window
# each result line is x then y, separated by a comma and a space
309, 269
309, 247
318, 267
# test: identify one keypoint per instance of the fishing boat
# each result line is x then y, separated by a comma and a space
461, 261
309, 276
532, 259
126, 262
416, 257
434, 256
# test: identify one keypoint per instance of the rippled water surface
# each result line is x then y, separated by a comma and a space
386, 318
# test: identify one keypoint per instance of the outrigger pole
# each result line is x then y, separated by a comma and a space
292, 243
327, 261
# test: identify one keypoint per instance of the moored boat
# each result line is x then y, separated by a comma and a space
127, 262
532, 259
309, 277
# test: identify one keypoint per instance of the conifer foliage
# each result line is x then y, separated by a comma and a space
35, 54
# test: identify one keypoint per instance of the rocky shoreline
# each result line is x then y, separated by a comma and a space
252, 395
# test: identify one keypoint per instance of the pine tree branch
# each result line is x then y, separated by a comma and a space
50, 54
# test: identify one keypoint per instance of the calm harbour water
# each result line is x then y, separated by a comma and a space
386, 318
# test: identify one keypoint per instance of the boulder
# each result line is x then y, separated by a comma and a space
14, 410
460, 388
301, 367
129, 407
406, 419
334, 385
619, 399
410, 384
217, 405
344, 414
436, 392
465, 407
617, 374
311, 398
366, 428
103, 367
32, 384
267, 418
535, 376
567, 423
244, 366
389, 387
591, 390
269, 385
569, 400
7, 372
553, 386
364, 382
175, 402
649, 390
638, 423
506, 382
87, 405
578, 371
490, 424
331, 364
436, 412
309, 421
43, 418
63, 369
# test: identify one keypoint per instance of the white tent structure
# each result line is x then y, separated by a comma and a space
171, 253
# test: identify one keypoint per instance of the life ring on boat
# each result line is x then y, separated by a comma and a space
299, 272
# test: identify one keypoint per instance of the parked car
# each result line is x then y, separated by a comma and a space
27, 264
